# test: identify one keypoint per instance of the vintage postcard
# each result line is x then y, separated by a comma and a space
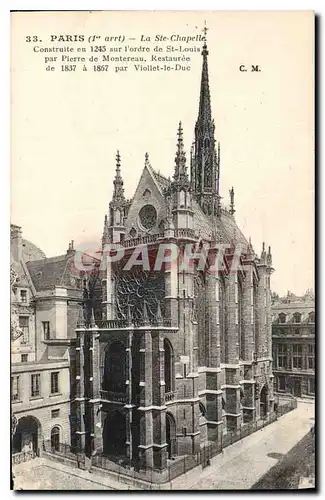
162, 250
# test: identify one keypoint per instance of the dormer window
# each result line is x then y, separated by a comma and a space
147, 193
282, 318
311, 317
297, 317
23, 296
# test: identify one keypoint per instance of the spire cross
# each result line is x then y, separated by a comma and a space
118, 159
146, 160
205, 29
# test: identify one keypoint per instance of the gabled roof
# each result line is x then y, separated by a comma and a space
161, 179
24, 277
31, 251
227, 229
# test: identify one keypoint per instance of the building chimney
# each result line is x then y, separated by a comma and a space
16, 242
71, 247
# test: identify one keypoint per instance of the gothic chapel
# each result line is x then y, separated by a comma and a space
174, 358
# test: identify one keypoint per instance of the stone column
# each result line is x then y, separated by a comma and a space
214, 322
110, 314
171, 290
129, 406
269, 322
248, 314
80, 400
146, 435
248, 349
96, 413
232, 387
213, 370
305, 356
262, 312
233, 318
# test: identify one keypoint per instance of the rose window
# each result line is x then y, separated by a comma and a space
148, 216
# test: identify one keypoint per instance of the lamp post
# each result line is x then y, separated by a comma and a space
14, 423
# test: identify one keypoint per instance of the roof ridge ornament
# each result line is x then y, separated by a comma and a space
147, 161
180, 158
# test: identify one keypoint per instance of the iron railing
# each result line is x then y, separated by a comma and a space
129, 471
23, 456
119, 397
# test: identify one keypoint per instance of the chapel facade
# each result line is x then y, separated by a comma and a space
170, 358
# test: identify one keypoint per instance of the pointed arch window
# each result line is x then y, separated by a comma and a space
168, 366
55, 438
161, 227
202, 410
217, 291
115, 367
118, 216
182, 198
133, 232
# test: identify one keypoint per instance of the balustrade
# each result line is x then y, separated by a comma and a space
185, 233
169, 396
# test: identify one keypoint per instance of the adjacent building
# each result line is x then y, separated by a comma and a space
171, 358
44, 308
293, 337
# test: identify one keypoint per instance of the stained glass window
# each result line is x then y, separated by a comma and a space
148, 216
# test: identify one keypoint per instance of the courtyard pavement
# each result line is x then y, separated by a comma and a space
238, 467
242, 464
45, 474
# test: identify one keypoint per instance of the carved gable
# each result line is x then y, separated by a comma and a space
148, 208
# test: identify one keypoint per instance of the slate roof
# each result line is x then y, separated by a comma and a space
161, 179
202, 224
227, 229
51, 272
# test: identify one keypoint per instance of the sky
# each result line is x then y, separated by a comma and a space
67, 126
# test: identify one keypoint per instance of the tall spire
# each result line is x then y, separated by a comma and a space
205, 105
180, 159
105, 237
118, 194
205, 162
